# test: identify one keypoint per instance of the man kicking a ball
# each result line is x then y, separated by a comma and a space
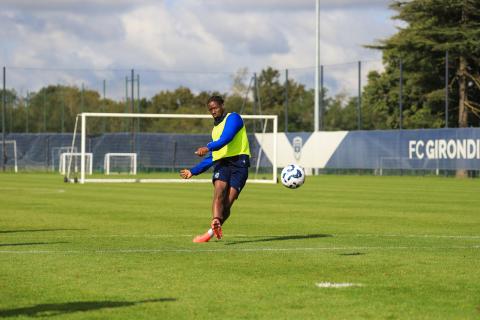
229, 152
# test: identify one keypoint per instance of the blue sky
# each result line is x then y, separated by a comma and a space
196, 43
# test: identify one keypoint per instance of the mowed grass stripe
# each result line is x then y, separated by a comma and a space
125, 252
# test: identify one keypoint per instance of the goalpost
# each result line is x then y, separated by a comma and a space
13, 155
176, 148
57, 157
73, 159
110, 161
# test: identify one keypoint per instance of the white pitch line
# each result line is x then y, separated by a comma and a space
113, 251
337, 285
417, 236
13, 233
120, 236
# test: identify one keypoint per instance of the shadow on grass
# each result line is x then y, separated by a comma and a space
39, 230
351, 254
283, 238
29, 243
54, 309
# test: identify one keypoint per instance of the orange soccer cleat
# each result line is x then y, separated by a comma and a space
217, 228
202, 238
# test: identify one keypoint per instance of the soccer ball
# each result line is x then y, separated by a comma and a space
292, 176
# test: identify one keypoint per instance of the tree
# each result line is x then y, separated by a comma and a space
239, 86
341, 113
271, 99
54, 108
380, 102
10, 97
432, 28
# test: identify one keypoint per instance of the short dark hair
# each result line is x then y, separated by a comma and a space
217, 99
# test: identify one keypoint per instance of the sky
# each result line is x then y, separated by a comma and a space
200, 44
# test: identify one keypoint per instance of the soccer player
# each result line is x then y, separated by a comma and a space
229, 152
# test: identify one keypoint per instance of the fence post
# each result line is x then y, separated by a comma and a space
11, 102
322, 95
132, 109
27, 101
286, 100
255, 100
103, 105
62, 92
44, 110
359, 100
4, 106
316, 111
125, 121
82, 107
138, 102
400, 96
446, 89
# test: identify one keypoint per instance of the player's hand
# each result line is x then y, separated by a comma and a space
201, 151
185, 174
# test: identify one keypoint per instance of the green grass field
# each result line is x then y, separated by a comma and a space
124, 251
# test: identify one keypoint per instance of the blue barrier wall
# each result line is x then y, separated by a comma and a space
41, 151
448, 149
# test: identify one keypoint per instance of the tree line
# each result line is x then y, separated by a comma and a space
436, 54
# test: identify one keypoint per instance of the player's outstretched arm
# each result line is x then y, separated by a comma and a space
185, 174
201, 151
203, 166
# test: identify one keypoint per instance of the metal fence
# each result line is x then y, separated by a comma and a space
40, 100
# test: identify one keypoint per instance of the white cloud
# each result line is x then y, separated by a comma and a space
171, 40
209, 38
100, 6
291, 5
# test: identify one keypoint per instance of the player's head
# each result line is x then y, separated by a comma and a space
217, 99
215, 106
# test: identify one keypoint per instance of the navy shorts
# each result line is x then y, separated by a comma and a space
236, 176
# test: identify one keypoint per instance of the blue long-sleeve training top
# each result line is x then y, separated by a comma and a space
233, 124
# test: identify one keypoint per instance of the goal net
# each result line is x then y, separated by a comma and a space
120, 163
71, 162
8, 154
155, 147
57, 157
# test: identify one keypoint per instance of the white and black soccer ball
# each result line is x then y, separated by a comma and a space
293, 176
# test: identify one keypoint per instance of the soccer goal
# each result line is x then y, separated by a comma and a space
155, 147
403, 163
120, 163
73, 161
8, 153
57, 157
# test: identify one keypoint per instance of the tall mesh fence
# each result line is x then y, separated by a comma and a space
42, 104
41, 100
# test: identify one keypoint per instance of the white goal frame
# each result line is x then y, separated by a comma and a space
133, 161
14, 143
83, 124
57, 152
63, 165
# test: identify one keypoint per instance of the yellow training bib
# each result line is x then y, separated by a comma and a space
239, 144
